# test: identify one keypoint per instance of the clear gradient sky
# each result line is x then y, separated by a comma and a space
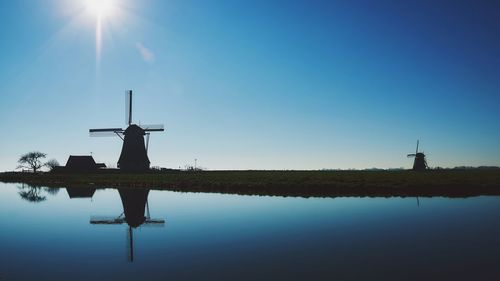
255, 84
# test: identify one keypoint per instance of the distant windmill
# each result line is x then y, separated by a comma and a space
420, 164
134, 155
135, 204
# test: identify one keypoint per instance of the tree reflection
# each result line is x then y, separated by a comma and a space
52, 190
36, 194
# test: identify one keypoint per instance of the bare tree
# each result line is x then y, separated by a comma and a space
31, 160
51, 164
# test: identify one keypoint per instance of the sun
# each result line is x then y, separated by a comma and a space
102, 11
100, 8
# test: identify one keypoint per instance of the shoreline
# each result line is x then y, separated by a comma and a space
445, 183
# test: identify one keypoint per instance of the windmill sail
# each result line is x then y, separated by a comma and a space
107, 220
149, 222
128, 107
107, 132
153, 128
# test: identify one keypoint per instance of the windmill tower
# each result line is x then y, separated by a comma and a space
419, 164
135, 214
134, 154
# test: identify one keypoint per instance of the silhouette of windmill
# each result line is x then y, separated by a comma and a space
134, 155
419, 164
135, 204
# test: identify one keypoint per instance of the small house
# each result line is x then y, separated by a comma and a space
82, 163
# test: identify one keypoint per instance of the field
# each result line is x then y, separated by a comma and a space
450, 183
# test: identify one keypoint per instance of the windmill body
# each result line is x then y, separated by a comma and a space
134, 154
420, 163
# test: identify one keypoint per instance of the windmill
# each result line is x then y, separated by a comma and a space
134, 154
135, 204
419, 164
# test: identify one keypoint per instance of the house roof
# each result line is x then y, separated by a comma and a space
81, 163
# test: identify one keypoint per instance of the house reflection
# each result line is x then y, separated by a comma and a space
80, 192
135, 214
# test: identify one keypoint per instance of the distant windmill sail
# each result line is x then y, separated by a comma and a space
133, 156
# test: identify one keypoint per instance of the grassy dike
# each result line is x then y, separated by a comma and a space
448, 183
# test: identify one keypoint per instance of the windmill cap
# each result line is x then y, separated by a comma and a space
134, 129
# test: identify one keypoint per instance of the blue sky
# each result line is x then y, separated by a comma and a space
255, 84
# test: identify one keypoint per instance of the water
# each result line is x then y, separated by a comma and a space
232, 237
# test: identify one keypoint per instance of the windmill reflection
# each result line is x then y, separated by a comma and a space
135, 214
36, 194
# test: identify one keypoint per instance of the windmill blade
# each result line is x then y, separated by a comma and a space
107, 220
147, 143
130, 245
128, 107
153, 223
108, 132
153, 128
411, 155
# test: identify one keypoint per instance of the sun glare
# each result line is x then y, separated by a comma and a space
100, 8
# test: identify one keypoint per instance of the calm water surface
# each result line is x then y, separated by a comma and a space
81, 234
